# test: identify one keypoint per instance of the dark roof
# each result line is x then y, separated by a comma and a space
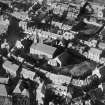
83, 69
86, 29
64, 58
102, 54
4, 3
90, 30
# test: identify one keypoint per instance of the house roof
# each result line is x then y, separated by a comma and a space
17, 89
90, 29
3, 90
4, 80
64, 58
101, 45
95, 50
27, 74
44, 48
20, 15
25, 92
3, 27
83, 69
10, 67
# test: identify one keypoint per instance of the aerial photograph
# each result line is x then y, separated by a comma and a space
52, 52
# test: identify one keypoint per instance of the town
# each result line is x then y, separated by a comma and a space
52, 52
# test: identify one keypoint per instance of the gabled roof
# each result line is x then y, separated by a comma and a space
44, 48
17, 89
25, 92
64, 58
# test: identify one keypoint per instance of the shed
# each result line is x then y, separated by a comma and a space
43, 49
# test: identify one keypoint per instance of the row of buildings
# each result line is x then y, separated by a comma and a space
67, 81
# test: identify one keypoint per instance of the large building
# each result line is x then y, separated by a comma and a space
43, 49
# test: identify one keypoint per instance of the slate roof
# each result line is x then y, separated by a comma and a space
64, 58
